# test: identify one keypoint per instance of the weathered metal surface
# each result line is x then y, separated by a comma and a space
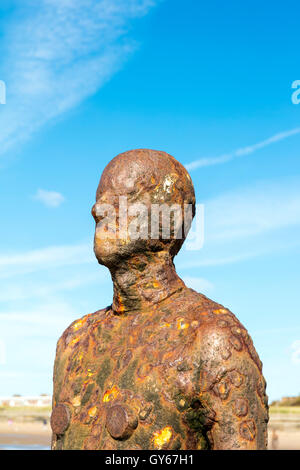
163, 367
120, 421
60, 419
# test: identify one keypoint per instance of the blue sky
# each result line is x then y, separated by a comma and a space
208, 82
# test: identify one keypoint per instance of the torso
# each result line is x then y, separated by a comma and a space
146, 366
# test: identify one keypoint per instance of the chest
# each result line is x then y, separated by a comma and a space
134, 390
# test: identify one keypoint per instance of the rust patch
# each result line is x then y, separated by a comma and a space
120, 422
248, 430
240, 407
60, 419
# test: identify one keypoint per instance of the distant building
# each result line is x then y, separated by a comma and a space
287, 401
43, 400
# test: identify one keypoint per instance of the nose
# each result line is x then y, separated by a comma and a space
98, 216
93, 211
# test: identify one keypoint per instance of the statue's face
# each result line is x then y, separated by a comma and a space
112, 234
131, 185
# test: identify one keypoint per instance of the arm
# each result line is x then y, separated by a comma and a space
232, 389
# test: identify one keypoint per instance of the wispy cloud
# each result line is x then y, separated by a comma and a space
199, 284
202, 162
30, 333
210, 261
55, 53
234, 218
53, 314
253, 210
14, 291
49, 198
45, 258
296, 352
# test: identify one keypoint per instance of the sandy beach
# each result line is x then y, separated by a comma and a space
20, 434
284, 433
287, 440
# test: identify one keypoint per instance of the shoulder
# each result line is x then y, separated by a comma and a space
227, 364
75, 348
79, 329
229, 368
217, 335
222, 339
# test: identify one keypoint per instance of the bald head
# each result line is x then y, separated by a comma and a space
153, 172
150, 179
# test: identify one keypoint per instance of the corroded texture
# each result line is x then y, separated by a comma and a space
163, 367
121, 421
60, 419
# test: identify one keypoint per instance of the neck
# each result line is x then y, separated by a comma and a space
144, 281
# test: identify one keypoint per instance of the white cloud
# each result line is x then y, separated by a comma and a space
208, 261
55, 53
15, 291
198, 283
296, 352
49, 198
202, 162
245, 223
4, 375
45, 258
54, 314
253, 210
31, 333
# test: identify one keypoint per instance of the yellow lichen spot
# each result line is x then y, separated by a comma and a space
222, 389
90, 373
220, 311
181, 324
131, 339
152, 180
92, 411
78, 324
165, 325
121, 308
155, 284
76, 401
110, 394
75, 340
160, 438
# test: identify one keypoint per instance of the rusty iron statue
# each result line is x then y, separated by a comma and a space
163, 367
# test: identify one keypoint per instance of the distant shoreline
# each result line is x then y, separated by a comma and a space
18, 431
28, 434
